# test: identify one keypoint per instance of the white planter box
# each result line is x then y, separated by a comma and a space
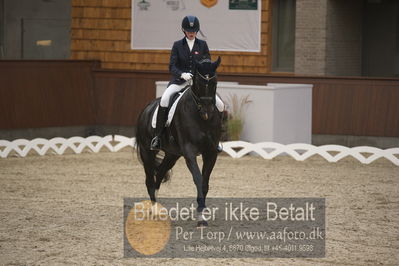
279, 112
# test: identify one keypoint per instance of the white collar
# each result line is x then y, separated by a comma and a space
190, 43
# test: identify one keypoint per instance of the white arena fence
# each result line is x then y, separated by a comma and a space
236, 149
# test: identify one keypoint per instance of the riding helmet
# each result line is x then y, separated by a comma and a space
190, 24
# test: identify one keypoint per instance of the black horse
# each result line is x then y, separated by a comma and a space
195, 130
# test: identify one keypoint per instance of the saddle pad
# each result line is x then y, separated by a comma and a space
170, 114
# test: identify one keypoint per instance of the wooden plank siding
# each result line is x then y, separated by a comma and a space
355, 106
67, 93
101, 30
40, 93
120, 96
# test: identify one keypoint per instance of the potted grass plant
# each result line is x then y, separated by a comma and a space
235, 121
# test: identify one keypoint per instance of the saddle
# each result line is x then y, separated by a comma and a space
174, 99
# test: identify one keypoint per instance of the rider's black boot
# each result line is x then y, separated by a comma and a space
161, 120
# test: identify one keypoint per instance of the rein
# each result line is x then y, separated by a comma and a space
206, 77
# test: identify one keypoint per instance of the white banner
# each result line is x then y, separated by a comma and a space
226, 25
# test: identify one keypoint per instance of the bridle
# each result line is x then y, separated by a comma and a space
199, 100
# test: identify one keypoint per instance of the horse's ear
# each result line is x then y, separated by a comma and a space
216, 63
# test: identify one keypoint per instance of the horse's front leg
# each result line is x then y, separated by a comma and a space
191, 161
192, 165
209, 160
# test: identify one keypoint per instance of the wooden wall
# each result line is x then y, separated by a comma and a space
101, 31
121, 95
38, 93
344, 105
46, 93
71, 93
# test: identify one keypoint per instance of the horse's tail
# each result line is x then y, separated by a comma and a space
139, 137
143, 138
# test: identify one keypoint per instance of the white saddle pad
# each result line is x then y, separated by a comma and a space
171, 112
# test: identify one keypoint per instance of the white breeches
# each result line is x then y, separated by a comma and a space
173, 88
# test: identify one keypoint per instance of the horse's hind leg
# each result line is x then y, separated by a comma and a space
148, 158
162, 174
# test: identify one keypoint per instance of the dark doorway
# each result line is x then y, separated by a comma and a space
283, 35
381, 38
35, 29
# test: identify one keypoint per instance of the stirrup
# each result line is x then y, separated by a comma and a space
155, 143
219, 148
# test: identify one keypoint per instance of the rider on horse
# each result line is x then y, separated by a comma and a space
185, 53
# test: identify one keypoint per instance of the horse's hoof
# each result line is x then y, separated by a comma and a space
202, 224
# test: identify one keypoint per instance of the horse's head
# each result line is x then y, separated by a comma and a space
204, 85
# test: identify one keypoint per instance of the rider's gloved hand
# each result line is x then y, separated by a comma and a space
186, 76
